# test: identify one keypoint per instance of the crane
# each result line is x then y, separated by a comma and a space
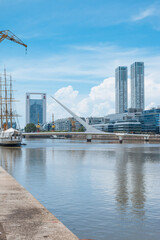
7, 34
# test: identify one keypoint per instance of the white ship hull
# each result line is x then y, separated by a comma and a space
11, 137
9, 143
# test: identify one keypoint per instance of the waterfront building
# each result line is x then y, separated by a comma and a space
136, 121
130, 114
130, 126
67, 125
150, 120
121, 89
125, 122
137, 85
36, 108
95, 120
63, 125
104, 127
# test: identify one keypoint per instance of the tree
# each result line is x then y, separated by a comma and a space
81, 129
30, 127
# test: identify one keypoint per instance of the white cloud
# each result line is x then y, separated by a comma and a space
67, 94
151, 105
98, 102
83, 106
144, 14
103, 91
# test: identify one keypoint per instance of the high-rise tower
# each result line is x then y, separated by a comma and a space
121, 75
36, 108
137, 85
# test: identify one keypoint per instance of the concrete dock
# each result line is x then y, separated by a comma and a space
22, 217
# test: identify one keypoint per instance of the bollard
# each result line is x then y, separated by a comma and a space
120, 139
89, 138
146, 138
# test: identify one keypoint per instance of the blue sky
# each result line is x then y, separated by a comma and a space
74, 48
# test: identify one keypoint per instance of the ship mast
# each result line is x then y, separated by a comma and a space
6, 100
10, 101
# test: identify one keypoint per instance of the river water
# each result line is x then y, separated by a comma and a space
98, 190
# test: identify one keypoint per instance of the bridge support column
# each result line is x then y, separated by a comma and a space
120, 139
89, 138
146, 138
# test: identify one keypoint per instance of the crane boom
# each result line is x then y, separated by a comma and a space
7, 34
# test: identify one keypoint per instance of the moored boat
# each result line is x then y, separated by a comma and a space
10, 137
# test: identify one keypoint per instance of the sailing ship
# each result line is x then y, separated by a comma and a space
8, 135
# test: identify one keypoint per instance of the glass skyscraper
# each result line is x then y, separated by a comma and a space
121, 75
137, 85
36, 108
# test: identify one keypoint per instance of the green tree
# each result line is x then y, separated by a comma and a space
30, 127
81, 129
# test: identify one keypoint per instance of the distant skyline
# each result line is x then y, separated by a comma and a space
74, 48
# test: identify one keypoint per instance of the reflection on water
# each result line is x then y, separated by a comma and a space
137, 181
100, 191
9, 157
35, 161
121, 179
130, 184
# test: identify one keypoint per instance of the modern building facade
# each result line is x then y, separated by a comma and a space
137, 85
35, 108
121, 87
67, 125
131, 126
104, 127
150, 120
130, 114
94, 120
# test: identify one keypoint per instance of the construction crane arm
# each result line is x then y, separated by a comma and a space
7, 34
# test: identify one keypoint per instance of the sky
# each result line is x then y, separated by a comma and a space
74, 48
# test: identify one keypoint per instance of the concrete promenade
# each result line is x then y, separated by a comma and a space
22, 217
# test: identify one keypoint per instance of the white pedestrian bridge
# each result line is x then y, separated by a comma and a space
93, 133
97, 136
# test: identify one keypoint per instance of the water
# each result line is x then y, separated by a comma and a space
98, 190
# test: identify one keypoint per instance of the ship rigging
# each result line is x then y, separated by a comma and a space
8, 135
7, 112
